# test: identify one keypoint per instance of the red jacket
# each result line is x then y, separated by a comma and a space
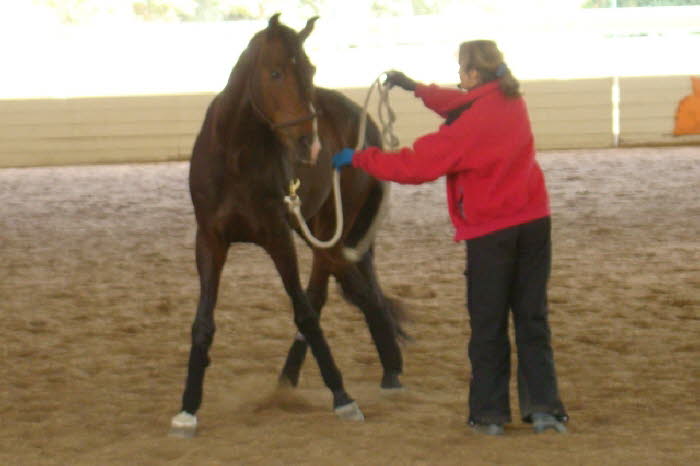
487, 155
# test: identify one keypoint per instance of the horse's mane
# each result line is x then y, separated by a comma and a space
234, 99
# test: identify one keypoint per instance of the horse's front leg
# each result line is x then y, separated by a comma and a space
211, 252
283, 253
317, 293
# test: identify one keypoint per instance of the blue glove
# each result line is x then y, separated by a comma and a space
342, 158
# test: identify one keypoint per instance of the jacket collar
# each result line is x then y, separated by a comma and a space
467, 99
479, 91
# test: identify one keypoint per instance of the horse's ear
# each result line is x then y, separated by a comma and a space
304, 33
274, 21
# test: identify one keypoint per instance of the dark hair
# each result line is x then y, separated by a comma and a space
484, 57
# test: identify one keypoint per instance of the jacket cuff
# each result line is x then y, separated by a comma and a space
356, 159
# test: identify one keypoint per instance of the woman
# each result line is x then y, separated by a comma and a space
499, 206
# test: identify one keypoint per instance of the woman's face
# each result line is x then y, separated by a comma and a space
468, 79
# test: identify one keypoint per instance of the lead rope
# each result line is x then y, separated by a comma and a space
387, 117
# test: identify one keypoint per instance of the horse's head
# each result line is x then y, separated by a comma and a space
281, 88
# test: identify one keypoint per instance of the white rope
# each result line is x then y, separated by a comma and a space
386, 121
294, 204
390, 140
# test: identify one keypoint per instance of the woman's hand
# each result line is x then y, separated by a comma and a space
397, 78
342, 158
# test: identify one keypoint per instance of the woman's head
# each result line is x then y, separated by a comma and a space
480, 62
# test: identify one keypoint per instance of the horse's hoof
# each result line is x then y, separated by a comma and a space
284, 382
349, 412
392, 391
391, 383
183, 425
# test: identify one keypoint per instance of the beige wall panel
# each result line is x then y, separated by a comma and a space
85, 143
551, 141
111, 110
99, 130
91, 129
646, 138
66, 151
565, 114
648, 108
80, 157
575, 111
569, 114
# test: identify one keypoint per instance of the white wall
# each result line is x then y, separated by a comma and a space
118, 58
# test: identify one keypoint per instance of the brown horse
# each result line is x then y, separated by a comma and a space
262, 131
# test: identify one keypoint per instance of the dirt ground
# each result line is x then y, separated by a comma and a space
98, 289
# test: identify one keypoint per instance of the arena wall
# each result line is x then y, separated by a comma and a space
648, 107
565, 114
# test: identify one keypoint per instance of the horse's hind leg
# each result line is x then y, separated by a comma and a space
210, 255
361, 288
317, 293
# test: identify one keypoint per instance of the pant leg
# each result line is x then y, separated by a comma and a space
490, 268
537, 381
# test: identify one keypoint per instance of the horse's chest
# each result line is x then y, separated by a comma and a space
248, 211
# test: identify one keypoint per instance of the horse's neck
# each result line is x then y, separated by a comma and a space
250, 141
237, 122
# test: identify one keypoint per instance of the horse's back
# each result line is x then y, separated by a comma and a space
345, 116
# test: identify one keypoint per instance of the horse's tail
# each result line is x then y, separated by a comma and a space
364, 231
398, 315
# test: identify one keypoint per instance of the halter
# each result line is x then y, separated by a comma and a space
284, 124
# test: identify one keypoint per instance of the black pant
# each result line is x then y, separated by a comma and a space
509, 269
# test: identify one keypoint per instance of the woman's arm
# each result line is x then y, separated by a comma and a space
439, 99
431, 157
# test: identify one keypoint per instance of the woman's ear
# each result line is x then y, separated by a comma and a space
474, 76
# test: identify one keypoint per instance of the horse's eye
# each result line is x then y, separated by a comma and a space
275, 75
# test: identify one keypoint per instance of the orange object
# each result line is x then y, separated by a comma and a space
688, 115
